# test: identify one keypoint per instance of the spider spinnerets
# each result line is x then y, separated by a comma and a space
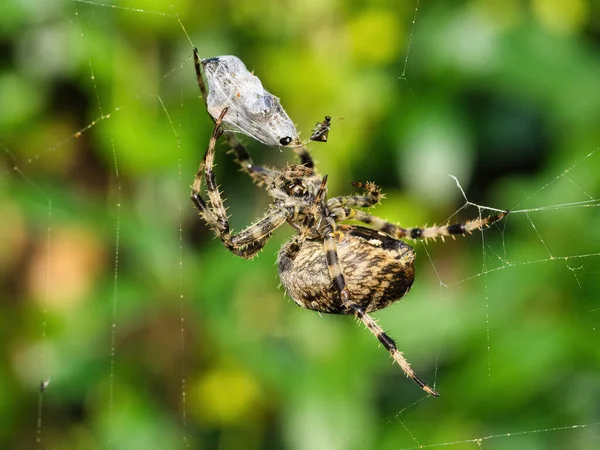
327, 266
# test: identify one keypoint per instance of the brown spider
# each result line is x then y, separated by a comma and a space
327, 266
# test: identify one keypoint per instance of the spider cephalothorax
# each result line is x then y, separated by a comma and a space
328, 266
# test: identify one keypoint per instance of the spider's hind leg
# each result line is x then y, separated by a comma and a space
339, 283
198, 67
391, 347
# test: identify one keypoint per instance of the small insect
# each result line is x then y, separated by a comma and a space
321, 131
328, 266
252, 110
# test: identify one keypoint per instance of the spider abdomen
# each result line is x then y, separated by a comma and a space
377, 269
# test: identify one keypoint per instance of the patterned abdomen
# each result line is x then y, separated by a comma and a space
378, 271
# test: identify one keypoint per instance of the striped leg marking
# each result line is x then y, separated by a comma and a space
398, 232
333, 264
339, 283
373, 196
197, 65
259, 174
305, 158
390, 345
248, 241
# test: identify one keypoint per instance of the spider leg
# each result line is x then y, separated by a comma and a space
372, 197
243, 158
398, 232
305, 158
339, 282
198, 67
259, 174
391, 347
247, 242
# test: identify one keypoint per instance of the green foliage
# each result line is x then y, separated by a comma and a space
154, 336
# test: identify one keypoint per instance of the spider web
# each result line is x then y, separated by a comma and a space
121, 329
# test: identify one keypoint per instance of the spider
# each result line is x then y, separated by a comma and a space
327, 266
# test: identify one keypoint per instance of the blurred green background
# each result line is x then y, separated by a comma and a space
154, 336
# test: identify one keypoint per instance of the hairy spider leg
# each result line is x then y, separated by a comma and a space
398, 232
305, 158
244, 159
313, 212
321, 191
339, 282
333, 263
247, 242
259, 174
391, 347
198, 67
372, 198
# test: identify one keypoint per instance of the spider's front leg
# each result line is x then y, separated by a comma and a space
259, 174
247, 242
198, 67
339, 283
305, 158
373, 196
